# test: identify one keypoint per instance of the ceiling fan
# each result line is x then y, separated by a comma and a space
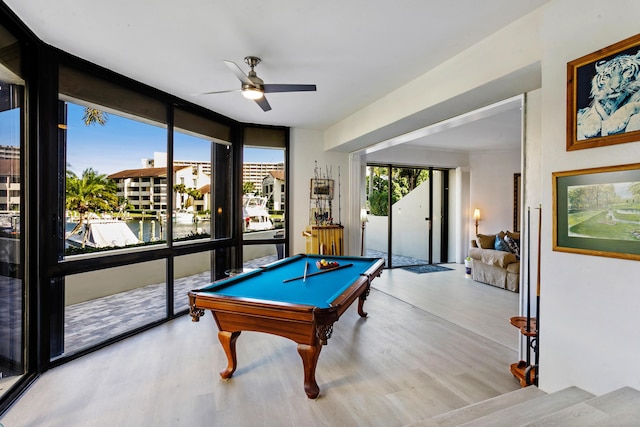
253, 87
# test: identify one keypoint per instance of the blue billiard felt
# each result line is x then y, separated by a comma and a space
269, 284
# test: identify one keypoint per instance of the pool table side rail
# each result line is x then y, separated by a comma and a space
359, 287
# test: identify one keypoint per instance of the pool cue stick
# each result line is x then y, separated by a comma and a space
339, 199
328, 270
306, 267
535, 379
528, 356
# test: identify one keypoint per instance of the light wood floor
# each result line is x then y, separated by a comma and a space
432, 343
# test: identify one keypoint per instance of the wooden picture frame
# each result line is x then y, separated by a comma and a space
321, 189
595, 119
597, 211
517, 200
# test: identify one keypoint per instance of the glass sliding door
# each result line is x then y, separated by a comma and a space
407, 215
376, 231
411, 216
438, 218
12, 286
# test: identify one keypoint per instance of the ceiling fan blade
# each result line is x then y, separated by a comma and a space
263, 103
219, 91
238, 72
271, 88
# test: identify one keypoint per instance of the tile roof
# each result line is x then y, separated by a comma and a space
277, 175
144, 172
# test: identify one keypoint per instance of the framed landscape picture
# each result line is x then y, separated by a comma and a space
321, 189
603, 102
597, 211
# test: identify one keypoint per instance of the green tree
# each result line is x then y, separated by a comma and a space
411, 177
248, 188
194, 194
92, 192
403, 181
635, 190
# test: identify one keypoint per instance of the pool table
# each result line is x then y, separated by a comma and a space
291, 298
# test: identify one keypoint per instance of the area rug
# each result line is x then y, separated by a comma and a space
419, 269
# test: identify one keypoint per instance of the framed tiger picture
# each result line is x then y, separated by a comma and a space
603, 96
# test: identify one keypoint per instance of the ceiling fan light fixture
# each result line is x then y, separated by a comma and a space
252, 93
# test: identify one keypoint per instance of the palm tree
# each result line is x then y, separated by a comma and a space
93, 116
93, 192
181, 189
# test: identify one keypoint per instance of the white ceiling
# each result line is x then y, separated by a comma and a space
355, 51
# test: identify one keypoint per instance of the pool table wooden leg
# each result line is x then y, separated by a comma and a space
309, 355
228, 341
363, 296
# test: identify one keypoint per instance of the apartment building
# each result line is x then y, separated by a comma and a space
146, 188
9, 178
256, 172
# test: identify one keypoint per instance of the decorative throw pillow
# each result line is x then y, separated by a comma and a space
499, 245
486, 241
512, 245
514, 236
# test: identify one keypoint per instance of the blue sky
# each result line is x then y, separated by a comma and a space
10, 127
123, 143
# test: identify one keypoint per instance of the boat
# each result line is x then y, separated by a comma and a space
10, 224
255, 214
184, 216
102, 233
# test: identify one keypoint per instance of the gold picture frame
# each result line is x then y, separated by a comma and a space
597, 211
595, 117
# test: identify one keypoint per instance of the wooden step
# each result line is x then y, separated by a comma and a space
617, 408
528, 412
480, 409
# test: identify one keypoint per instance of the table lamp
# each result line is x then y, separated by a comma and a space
363, 220
476, 216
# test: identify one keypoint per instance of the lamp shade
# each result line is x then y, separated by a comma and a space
476, 214
363, 215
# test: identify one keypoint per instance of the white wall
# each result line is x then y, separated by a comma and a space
507, 62
589, 330
419, 156
492, 189
306, 148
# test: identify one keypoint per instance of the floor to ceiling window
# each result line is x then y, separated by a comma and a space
263, 195
12, 286
112, 137
202, 191
137, 199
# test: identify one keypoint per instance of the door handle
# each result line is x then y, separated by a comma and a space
428, 223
